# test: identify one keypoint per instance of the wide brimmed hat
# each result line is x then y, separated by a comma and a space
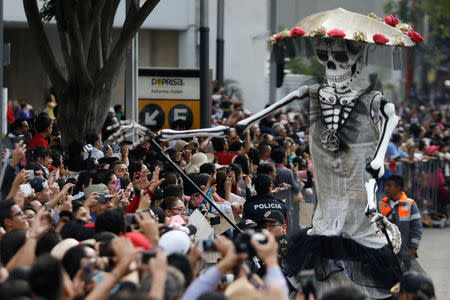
343, 24
197, 160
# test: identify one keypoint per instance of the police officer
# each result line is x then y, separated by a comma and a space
275, 222
257, 206
403, 212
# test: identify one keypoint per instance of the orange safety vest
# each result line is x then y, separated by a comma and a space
403, 210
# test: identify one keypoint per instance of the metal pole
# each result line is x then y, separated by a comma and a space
205, 101
186, 178
220, 42
2, 113
131, 78
273, 66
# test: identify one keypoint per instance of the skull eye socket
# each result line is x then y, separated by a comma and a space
340, 56
322, 55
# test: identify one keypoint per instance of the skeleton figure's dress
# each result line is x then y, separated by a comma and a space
340, 175
342, 246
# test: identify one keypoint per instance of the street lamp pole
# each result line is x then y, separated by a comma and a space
220, 42
131, 77
205, 105
273, 66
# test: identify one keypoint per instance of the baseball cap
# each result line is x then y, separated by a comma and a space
432, 148
99, 189
175, 241
38, 184
414, 282
273, 216
139, 240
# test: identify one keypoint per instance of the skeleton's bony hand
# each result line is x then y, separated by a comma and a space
379, 222
375, 169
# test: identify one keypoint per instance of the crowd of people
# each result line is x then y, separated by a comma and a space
102, 220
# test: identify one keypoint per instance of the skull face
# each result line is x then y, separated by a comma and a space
341, 58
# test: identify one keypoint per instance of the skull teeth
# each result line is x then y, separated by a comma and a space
339, 78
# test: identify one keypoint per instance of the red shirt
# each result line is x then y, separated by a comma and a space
10, 116
38, 140
224, 158
131, 209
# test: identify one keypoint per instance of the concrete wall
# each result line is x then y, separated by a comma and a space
26, 78
246, 47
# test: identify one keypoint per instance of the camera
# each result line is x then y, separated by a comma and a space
130, 220
242, 242
208, 246
146, 256
214, 220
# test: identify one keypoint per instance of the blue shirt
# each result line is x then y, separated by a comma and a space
394, 151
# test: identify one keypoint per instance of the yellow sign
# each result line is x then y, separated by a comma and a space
160, 114
169, 98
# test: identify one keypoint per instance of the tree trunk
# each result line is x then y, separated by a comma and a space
82, 113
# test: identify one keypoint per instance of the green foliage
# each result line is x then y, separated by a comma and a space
402, 10
305, 66
48, 10
438, 12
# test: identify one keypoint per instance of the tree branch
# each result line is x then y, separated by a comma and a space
61, 25
133, 22
95, 58
83, 12
93, 15
49, 62
108, 13
80, 71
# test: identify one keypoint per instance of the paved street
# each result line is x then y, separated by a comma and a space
434, 257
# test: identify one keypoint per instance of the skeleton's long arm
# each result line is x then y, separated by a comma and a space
221, 131
299, 94
169, 134
388, 123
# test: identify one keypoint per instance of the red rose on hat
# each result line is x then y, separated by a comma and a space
391, 20
336, 33
380, 39
415, 36
297, 31
277, 37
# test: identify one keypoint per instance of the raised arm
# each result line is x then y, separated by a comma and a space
389, 121
299, 94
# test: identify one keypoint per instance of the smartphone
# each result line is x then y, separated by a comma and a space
47, 206
208, 246
117, 184
208, 194
88, 270
214, 221
130, 220
30, 174
307, 283
101, 198
26, 189
146, 256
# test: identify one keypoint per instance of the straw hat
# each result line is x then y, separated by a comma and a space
341, 23
197, 160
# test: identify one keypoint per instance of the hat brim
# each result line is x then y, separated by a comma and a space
351, 23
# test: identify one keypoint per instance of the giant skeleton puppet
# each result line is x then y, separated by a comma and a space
349, 134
